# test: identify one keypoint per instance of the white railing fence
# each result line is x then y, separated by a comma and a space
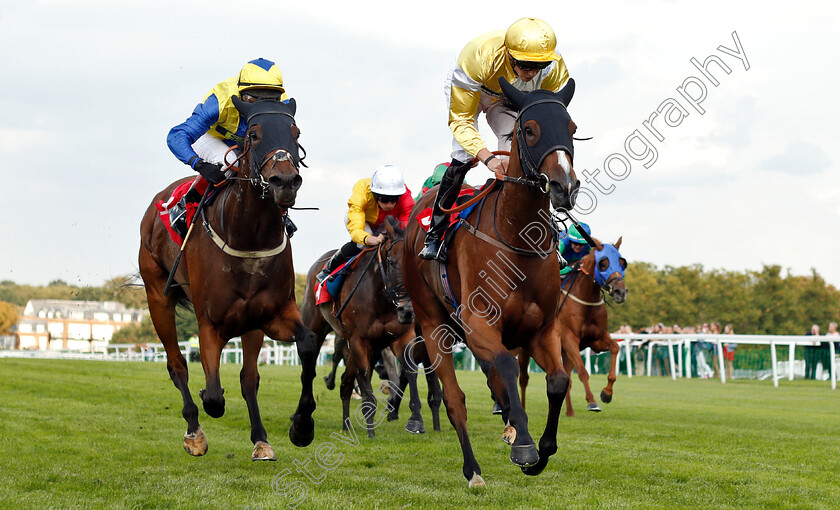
680, 362
679, 348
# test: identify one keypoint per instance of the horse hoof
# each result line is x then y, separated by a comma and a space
330, 382
476, 482
509, 435
302, 435
536, 468
593, 407
263, 451
415, 427
605, 398
393, 416
195, 444
524, 455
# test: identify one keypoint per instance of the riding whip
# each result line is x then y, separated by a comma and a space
184, 242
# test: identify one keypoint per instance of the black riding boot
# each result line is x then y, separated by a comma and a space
341, 256
178, 212
450, 186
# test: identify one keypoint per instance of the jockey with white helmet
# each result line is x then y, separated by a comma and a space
382, 195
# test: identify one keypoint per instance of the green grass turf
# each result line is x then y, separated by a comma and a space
89, 434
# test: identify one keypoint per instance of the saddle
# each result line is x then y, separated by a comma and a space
177, 212
330, 288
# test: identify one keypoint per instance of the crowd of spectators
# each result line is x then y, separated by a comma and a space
703, 354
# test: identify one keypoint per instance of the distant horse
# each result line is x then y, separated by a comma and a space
378, 315
503, 284
237, 273
583, 318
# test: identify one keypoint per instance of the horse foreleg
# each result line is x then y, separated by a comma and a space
415, 421
249, 381
567, 366
435, 397
524, 377
195, 443
338, 355
360, 358
497, 388
571, 350
612, 346
210, 348
486, 343
548, 356
288, 326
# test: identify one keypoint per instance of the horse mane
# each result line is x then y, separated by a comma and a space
395, 224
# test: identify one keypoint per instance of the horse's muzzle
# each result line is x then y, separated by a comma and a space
405, 313
284, 188
563, 195
619, 295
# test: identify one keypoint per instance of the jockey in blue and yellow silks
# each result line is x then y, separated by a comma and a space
572, 247
525, 56
204, 138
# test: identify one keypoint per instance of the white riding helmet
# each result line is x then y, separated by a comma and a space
388, 180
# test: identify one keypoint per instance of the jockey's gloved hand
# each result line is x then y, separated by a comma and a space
212, 172
563, 262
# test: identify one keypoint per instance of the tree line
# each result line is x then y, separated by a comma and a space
754, 302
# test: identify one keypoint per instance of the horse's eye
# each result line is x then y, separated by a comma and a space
622, 263
603, 265
253, 136
529, 131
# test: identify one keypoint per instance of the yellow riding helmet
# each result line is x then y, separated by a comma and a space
531, 40
260, 74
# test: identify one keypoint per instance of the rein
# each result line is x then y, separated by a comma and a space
498, 178
389, 291
355, 287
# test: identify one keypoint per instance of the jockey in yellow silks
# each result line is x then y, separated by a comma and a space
525, 55
373, 200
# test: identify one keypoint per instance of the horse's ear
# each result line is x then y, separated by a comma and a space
516, 96
241, 105
567, 92
617, 243
292, 106
392, 227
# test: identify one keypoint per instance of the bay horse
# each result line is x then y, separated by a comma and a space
583, 318
502, 269
377, 314
237, 273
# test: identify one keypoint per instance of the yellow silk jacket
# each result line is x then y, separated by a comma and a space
479, 67
364, 209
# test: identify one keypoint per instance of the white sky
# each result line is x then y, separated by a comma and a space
89, 90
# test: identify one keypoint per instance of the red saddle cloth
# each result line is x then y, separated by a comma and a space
178, 193
424, 217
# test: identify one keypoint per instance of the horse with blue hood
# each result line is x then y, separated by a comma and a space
583, 316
